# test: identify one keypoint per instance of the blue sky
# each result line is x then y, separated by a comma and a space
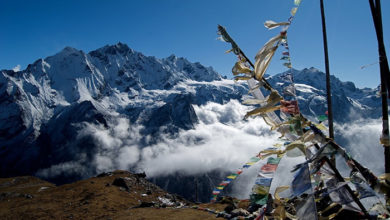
30, 30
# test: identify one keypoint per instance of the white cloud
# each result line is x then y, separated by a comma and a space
221, 141
67, 168
362, 138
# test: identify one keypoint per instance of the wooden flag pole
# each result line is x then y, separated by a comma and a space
384, 74
328, 89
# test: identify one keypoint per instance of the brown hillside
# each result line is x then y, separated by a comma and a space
117, 195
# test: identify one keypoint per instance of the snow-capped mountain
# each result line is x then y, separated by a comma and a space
349, 102
129, 102
44, 106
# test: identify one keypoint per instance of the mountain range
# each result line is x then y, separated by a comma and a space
47, 109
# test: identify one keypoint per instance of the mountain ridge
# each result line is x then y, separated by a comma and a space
46, 108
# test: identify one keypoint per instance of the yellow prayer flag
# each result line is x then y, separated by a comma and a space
262, 190
240, 67
278, 190
242, 78
262, 110
294, 11
321, 126
385, 176
264, 56
232, 177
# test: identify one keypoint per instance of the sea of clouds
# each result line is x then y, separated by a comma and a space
221, 140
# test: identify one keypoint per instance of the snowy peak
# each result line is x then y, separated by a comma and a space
30, 97
77, 76
68, 51
194, 71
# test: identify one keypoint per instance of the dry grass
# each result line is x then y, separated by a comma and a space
94, 198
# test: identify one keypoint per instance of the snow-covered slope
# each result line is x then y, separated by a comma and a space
44, 106
70, 115
349, 102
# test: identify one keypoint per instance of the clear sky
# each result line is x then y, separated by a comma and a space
30, 30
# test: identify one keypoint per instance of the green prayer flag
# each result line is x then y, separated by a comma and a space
322, 118
273, 160
259, 199
254, 159
285, 58
288, 65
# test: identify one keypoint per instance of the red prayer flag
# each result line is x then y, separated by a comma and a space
290, 107
269, 168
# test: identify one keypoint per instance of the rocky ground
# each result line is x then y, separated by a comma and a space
116, 195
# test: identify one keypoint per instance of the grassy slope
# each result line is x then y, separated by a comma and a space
93, 198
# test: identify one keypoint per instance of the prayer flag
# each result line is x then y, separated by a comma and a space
221, 38
321, 126
364, 190
306, 209
259, 189
215, 192
301, 181
273, 160
290, 107
240, 67
322, 118
264, 56
289, 90
361, 186
265, 175
242, 78
297, 2
272, 24
269, 168
232, 176
253, 101
294, 11
337, 192
259, 199
288, 65
272, 99
263, 181
296, 126
285, 58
